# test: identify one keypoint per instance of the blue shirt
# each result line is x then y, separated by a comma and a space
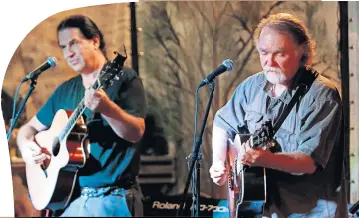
313, 126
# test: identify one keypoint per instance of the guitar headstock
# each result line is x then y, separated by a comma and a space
263, 135
111, 72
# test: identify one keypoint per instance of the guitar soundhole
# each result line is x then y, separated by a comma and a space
56, 147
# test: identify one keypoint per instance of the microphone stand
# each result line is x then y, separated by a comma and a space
195, 157
22, 105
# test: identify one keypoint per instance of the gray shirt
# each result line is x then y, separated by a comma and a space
313, 126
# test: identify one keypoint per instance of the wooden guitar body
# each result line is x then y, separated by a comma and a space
57, 174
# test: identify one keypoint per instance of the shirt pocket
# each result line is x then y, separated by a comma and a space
254, 121
286, 140
286, 135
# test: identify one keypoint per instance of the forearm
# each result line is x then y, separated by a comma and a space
294, 162
125, 125
26, 133
219, 144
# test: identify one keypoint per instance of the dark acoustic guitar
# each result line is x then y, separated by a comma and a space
246, 186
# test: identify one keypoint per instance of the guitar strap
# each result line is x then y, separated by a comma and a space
307, 77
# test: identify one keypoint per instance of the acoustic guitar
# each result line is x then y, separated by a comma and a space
246, 186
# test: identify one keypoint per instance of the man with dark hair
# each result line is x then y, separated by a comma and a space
305, 177
114, 119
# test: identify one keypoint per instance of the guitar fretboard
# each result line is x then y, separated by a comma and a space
77, 113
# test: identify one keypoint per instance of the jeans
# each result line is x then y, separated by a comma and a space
106, 202
252, 209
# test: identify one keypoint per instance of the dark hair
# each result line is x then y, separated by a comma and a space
285, 22
87, 27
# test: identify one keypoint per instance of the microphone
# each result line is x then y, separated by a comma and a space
227, 65
50, 62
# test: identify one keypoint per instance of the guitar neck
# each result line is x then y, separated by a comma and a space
77, 113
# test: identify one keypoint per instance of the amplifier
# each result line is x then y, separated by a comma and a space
160, 205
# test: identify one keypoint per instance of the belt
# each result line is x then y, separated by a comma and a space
119, 190
103, 191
